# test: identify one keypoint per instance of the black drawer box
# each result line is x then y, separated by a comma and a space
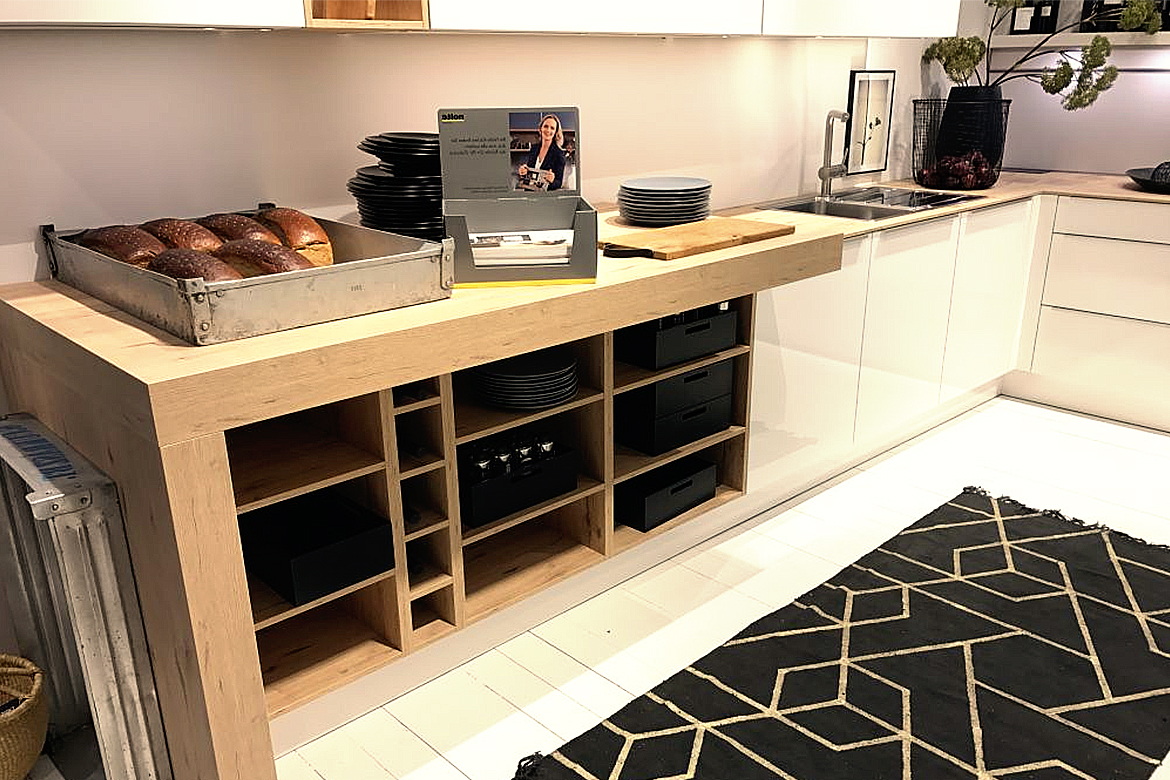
638, 428
312, 545
681, 392
530, 484
646, 346
649, 500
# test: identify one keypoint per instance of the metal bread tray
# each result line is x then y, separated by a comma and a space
372, 271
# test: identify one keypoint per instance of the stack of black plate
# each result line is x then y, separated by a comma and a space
403, 193
664, 200
536, 380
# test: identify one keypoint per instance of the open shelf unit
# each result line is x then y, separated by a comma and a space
397, 454
367, 14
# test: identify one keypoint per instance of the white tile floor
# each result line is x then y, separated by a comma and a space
550, 684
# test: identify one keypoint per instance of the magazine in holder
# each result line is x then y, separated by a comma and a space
515, 223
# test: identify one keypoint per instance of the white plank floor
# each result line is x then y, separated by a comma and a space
554, 682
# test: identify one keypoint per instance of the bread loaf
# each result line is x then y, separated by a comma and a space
182, 234
252, 257
300, 232
190, 264
233, 227
123, 242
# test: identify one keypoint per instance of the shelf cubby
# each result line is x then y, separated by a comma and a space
428, 563
424, 501
367, 14
288, 456
625, 537
416, 395
586, 486
509, 565
432, 615
629, 463
419, 441
270, 608
328, 646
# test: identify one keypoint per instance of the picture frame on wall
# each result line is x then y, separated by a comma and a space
871, 109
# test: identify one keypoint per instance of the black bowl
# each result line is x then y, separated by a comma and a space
1142, 176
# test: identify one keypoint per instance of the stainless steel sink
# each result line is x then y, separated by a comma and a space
871, 202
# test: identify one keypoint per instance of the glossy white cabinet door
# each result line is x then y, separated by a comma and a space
1125, 278
987, 302
861, 18
806, 357
730, 17
210, 13
1113, 219
906, 310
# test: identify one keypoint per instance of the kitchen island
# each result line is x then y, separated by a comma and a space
196, 437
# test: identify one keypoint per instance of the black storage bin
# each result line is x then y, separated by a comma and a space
668, 396
637, 427
525, 486
651, 499
650, 346
312, 545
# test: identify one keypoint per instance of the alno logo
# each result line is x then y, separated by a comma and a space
448, 116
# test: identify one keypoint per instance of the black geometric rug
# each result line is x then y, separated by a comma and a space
986, 640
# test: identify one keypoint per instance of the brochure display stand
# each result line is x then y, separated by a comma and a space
511, 197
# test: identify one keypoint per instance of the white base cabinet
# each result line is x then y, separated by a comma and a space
906, 311
987, 303
807, 351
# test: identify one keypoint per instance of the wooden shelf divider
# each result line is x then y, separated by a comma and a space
585, 487
473, 421
630, 463
628, 377
279, 459
411, 465
270, 608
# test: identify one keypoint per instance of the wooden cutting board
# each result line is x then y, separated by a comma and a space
670, 243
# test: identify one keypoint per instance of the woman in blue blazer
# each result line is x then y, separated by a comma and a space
547, 158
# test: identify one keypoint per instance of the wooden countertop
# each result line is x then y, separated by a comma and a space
269, 375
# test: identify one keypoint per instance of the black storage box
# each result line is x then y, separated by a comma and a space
668, 396
525, 486
637, 427
648, 346
649, 500
315, 544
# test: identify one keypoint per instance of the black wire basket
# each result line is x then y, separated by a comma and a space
958, 144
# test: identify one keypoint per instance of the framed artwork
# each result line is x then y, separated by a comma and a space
867, 133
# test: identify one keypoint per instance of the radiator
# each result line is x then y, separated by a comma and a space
65, 566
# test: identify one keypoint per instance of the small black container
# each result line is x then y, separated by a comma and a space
312, 545
651, 499
672, 395
638, 428
656, 345
528, 484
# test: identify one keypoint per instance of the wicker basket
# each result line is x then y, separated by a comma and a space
23, 727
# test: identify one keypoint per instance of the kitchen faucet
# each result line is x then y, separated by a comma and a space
828, 171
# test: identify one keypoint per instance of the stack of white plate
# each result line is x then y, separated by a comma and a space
664, 200
536, 380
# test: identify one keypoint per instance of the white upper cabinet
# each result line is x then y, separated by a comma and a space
183, 13
861, 18
730, 17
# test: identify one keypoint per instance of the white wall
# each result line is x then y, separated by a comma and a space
110, 126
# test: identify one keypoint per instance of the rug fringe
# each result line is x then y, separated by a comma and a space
1056, 514
528, 769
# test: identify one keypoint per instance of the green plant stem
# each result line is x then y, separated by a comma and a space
1035, 51
995, 22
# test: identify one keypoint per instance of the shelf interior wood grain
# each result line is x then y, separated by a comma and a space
280, 458
629, 463
270, 608
511, 565
474, 420
629, 377
317, 652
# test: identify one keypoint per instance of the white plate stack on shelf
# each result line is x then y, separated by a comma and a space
658, 201
535, 380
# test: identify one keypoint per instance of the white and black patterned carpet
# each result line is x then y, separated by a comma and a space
987, 640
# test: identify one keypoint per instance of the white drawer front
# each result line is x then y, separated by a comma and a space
1114, 219
1125, 278
1108, 354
